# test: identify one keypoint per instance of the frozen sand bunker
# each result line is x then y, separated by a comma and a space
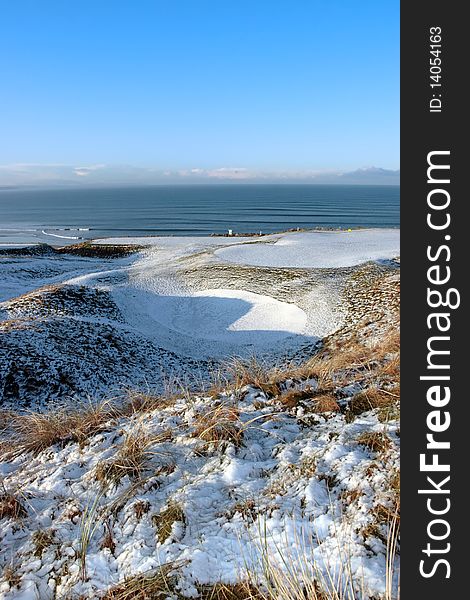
230, 316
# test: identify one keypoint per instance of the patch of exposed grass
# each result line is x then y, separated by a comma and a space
131, 459
165, 469
165, 520
340, 365
375, 441
394, 483
219, 424
280, 577
389, 413
141, 402
35, 431
350, 496
390, 369
161, 585
141, 508
11, 576
385, 524
344, 361
90, 250
42, 539
11, 507
158, 585
372, 530
306, 468
384, 514
224, 591
372, 398
90, 520
324, 403
291, 398
252, 372
246, 508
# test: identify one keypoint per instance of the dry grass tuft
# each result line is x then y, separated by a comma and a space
291, 398
375, 441
306, 468
140, 402
11, 507
35, 431
11, 576
159, 585
141, 508
389, 343
251, 372
395, 482
344, 361
219, 424
350, 496
42, 540
90, 250
390, 369
131, 459
224, 591
246, 508
325, 403
339, 366
385, 514
372, 398
389, 413
165, 520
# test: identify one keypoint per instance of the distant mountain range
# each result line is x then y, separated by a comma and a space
364, 176
21, 175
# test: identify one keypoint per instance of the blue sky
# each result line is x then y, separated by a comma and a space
185, 85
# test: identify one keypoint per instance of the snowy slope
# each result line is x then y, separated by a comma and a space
292, 479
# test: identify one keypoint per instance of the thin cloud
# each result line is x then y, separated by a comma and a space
85, 171
101, 174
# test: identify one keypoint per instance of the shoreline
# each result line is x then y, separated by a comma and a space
236, 236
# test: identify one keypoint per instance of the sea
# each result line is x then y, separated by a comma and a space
66, 216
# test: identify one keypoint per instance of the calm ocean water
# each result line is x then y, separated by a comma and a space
67, 215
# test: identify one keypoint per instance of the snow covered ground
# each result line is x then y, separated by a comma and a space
285, 492
315, 487
179, 306
23, 274
311, 249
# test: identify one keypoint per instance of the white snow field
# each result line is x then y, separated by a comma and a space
318, 249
